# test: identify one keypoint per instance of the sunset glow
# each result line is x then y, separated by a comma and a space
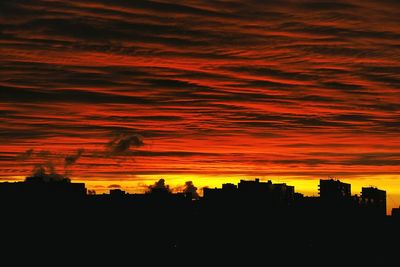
122, 93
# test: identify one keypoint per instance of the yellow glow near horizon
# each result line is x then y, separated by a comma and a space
303, 184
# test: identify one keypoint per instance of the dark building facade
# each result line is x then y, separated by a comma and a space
396, 213
334, 190
374, 201
36, 189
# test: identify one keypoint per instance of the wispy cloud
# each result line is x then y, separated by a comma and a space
246, 87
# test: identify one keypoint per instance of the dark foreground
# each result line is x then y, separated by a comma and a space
119, 233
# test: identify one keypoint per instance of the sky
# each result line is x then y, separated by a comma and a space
122, 93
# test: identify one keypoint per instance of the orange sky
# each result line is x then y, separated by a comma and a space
208, 91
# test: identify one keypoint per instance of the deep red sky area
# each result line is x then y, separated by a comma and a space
125, 92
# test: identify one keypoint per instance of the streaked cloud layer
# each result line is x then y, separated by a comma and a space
253, 88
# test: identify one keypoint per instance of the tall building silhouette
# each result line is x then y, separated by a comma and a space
374, 200
334, 190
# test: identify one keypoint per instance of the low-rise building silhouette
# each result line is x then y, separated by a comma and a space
247, 218
248, 195
396, 213
374, 201
34, 189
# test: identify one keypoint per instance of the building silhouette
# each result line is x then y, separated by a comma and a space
374, 201
34, 188
396, 213
246, 219
251, 194
335, 196
334, 190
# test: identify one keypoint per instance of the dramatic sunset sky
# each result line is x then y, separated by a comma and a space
122, 93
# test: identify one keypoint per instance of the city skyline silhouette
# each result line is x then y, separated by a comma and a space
132, 91
244, 218
243, 130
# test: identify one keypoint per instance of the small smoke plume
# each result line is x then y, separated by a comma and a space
159, 185
46, 173
25, 155
121, 144
191, 189
71, 159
